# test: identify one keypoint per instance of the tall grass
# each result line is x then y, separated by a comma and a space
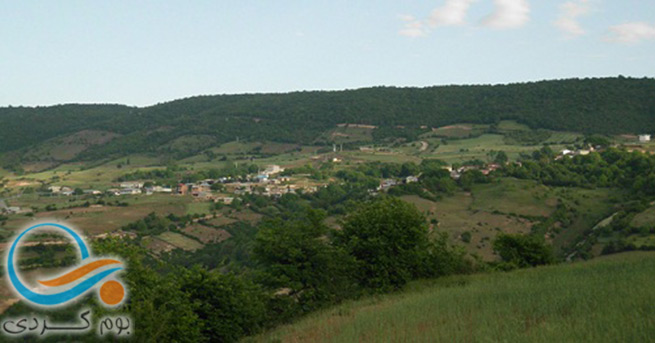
611, 299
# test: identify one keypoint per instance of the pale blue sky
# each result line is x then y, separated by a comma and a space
144, 52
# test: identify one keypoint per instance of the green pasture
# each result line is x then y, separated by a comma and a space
609, 299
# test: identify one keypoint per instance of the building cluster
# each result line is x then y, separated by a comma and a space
268, 183
486, 169
572, 153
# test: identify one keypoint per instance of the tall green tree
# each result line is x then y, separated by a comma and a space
388, 239
299, 258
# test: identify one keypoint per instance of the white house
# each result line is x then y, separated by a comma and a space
132, 185
161, 189
272, 169
54, 189
644, 138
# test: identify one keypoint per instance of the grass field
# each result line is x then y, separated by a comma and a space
199, 207
511, 125
179, 241
513, 196
645, 218
455, 217
592, 205
461, 150
206, 234
563, 138
96, 220
348, 134
609, 299
457, 131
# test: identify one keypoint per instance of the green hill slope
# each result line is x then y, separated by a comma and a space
608, 105
610, 299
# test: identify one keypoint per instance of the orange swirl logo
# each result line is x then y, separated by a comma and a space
74, 283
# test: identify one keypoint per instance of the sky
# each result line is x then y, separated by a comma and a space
146, 52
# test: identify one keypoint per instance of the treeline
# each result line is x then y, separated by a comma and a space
613, 167
605, 106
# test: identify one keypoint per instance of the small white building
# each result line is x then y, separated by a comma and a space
54, 189
161, 189
644, 138
131, 185
272, 169
411, 179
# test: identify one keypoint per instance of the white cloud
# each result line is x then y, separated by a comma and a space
631, 33
453, 12
568, 17
508, 14
412, 27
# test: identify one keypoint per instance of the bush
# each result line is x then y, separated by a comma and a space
523, 251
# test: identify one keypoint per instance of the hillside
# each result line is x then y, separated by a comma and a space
605, 106
605, 300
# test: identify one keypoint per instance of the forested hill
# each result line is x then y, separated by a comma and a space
607, 106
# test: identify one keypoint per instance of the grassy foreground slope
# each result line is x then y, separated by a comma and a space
609, 299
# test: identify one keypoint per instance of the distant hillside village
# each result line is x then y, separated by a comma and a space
272, 182
268, 182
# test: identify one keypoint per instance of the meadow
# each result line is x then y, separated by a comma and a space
608, 299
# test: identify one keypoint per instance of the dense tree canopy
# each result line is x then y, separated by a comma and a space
600, 106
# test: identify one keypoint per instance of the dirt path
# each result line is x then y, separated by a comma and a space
424, 146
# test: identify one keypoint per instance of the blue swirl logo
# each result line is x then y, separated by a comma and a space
72, 283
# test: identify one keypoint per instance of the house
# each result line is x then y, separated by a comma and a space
643, 138
54, 189
162, 189
273, 169
411, 179
386, 184
92, 191
201, 188
131, 185
182, 189
490, 167
114, 191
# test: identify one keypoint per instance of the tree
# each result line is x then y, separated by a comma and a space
523, 250
388, 239
501, 157
160, 310
298, 255
409, 168
228, 307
